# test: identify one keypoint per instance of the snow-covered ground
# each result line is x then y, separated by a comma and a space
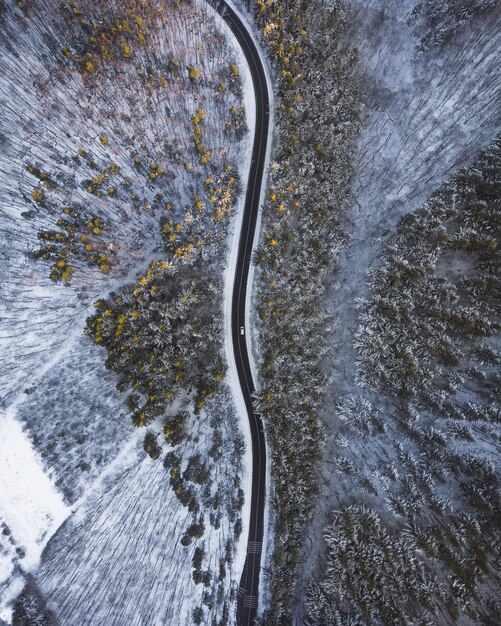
423, 118
118, 560
31, 508
28, 488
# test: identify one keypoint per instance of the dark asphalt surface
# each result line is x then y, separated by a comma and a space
249, 583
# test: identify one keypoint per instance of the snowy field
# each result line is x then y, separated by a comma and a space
31, 508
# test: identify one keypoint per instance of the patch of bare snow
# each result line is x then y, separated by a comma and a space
30, 505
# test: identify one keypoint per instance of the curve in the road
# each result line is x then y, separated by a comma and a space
249, 584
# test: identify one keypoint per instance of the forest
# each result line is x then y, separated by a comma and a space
416, 538
163, 333
123, 134
441, 20
317, 123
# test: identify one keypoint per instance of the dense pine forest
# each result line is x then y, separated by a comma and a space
416, 538
319, 114
317, 123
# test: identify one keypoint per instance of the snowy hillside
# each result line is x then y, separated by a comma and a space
122, 129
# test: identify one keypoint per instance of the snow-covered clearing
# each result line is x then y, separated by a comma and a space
26, 487
423, 118
31, 508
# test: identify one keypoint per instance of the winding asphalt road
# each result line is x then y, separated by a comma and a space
249, 583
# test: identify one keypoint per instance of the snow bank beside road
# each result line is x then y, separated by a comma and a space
251, 336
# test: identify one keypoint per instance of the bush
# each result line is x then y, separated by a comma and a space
30, 608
